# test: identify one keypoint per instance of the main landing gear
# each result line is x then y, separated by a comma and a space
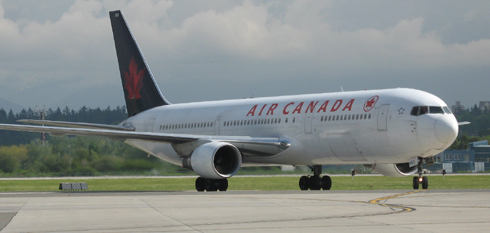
424, 180
211, 185
315, 182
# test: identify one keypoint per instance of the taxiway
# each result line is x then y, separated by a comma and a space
247, 211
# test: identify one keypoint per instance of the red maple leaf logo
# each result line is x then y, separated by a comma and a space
133, 80
370, 103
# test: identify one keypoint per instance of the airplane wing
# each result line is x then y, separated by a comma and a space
75, 124
248, 146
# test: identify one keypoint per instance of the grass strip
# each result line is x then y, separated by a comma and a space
246, 183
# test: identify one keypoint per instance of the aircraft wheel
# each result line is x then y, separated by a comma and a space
315, 183
223, 185
415, 183
425, 182
303, 183
326, 183
200, 184
211, 185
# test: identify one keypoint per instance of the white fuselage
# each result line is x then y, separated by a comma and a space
360, 127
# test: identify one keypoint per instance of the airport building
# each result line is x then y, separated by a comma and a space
458, 108
484, 106
475, 159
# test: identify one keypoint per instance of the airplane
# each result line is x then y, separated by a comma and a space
394, 131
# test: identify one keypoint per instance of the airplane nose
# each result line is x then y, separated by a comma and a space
446, 129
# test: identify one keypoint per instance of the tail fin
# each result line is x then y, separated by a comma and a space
140, 89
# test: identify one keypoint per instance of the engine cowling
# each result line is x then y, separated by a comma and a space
214, 160
395, 170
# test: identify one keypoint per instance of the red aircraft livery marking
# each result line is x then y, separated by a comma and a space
297, 108
133, 80
370, 103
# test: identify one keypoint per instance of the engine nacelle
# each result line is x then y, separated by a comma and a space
395, 170
214, 160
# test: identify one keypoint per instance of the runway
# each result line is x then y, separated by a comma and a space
247, 211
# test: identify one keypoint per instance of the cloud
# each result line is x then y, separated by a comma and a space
242, 42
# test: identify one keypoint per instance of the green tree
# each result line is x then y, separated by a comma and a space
11, 158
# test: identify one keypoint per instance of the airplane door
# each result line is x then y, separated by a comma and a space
149, 128
149, 125
308, 122
383, 117
217, 125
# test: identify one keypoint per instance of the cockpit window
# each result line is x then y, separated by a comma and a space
436, 110
415, 111
421, 110
446, 110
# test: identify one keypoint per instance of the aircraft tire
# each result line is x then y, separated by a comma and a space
223, 185
200, 184
212, 185
425, 182
315, 183
326, 183
415, 182
303, 183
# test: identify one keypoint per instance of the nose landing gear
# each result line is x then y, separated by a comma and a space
421, 180
424, 180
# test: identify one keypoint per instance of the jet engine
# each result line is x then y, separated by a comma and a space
395, 170
214, 160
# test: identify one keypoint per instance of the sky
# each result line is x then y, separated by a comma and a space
61, 53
